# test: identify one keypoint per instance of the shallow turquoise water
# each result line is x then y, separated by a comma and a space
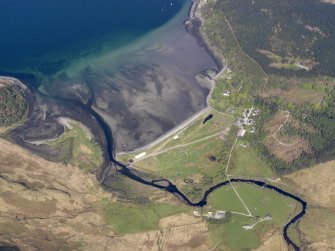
44, 36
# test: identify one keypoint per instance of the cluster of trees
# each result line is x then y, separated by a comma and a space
13, 105
322, 118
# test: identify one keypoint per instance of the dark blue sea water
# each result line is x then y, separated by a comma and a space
44, 35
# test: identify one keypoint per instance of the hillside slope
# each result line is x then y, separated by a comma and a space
50, 206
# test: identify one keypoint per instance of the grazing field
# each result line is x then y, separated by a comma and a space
231, 236
131, 218
195, 132
246, 161
219, 123
260, 202
186, 160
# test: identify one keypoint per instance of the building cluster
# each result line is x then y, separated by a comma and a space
246, 120
210, 215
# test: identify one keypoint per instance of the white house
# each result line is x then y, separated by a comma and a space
226, 93
248, 227
220, 214
241, 132
140, 155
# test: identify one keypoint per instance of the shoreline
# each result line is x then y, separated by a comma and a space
194, 19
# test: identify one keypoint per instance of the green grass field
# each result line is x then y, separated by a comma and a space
187, 160
192, 162
132, 218
231, 236
194, 132
198, 130
260, 202
246, 162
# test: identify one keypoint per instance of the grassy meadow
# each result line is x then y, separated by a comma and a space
132, 218
260, 202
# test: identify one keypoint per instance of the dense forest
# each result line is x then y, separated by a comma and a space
285, 33
13, 105
322, 118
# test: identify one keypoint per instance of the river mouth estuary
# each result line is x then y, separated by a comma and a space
129, 75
